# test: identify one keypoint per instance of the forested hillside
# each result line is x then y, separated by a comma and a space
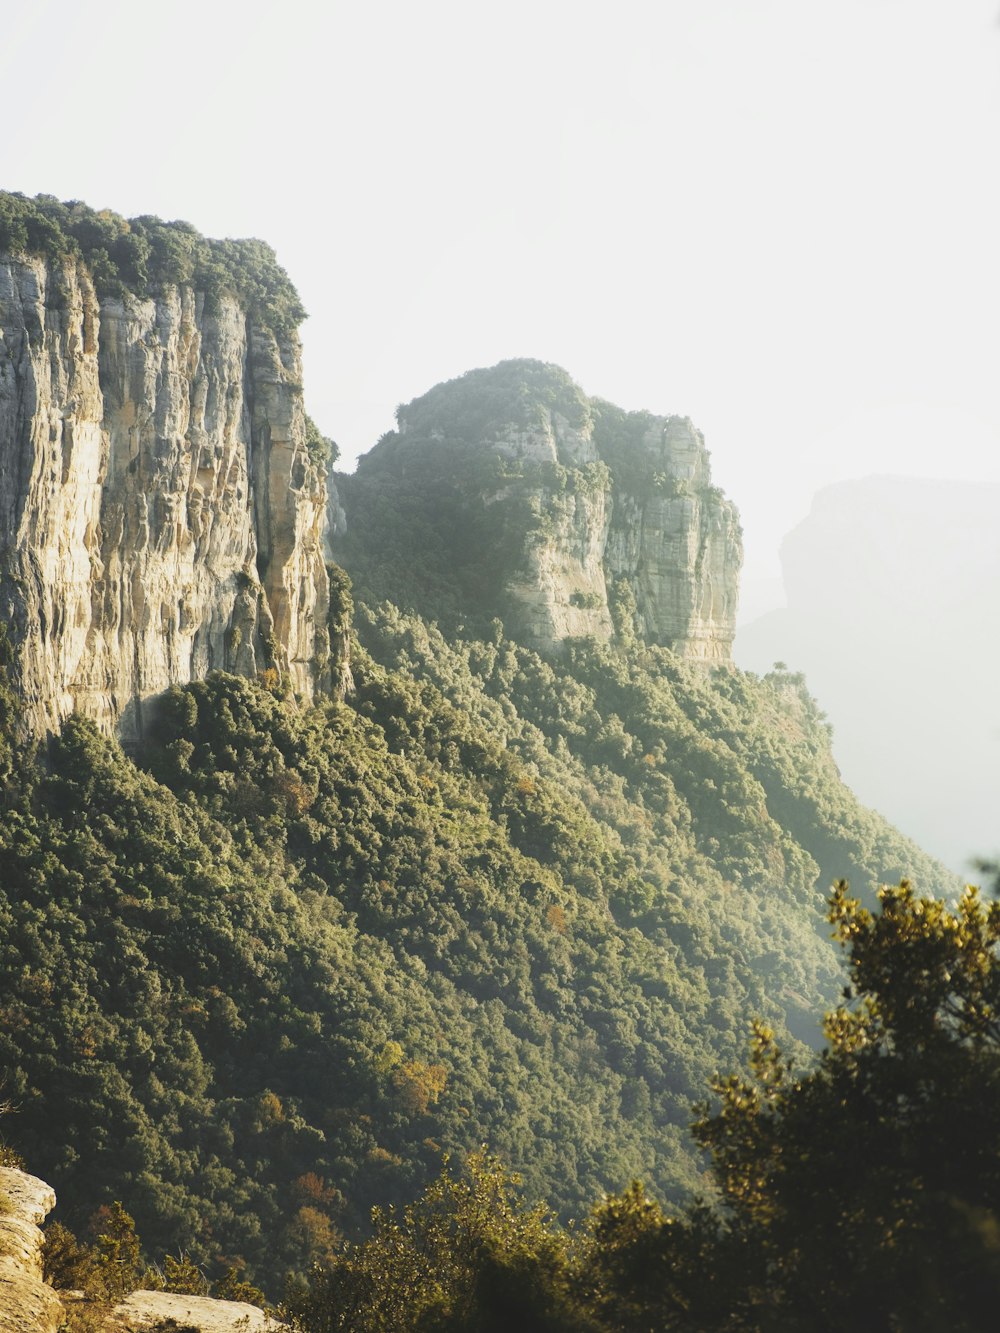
260, 973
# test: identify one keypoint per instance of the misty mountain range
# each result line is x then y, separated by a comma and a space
891, 586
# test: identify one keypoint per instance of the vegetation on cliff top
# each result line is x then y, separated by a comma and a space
472, 407
141, 255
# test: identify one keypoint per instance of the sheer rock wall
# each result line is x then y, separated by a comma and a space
671, 537
677, 543
159, 512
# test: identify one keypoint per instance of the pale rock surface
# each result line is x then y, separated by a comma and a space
678, 543
27, 1304
554, 440
336, 518
159, 512
675, 540
562, 593
147, 1309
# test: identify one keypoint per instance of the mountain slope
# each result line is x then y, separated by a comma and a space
262, 986
261, 971
891, 587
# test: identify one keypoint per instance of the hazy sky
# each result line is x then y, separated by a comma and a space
780, 217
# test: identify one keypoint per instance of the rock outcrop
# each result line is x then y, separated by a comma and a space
566, 516
160, 514
27, 1304
161, 1310
892, 588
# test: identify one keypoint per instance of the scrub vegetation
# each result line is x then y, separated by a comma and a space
143, 255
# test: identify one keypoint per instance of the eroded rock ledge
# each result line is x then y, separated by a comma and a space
147, 1310
27, 1304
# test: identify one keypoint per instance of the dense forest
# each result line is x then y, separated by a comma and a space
260, 974
862, 1193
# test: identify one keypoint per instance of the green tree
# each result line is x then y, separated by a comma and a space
117, 1250
865, 1193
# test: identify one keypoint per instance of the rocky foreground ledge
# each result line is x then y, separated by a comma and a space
145, 1311
29, 1305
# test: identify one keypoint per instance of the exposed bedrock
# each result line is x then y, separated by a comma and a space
160, 515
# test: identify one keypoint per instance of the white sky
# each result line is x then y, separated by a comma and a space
780, 217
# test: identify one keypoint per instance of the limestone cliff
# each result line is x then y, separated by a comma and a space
28, 1304
160, 515
509, 491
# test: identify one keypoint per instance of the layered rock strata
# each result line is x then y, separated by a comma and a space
671, 538
160, 515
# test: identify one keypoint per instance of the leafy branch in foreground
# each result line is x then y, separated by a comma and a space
862, 1194
872, 1183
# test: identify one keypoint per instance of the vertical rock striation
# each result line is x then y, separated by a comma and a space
509, 491
160, 515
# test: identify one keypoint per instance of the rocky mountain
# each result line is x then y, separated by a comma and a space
160, 513
508, 492
526, 884
891, 585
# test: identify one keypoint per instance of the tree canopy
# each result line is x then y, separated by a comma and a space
862, 1194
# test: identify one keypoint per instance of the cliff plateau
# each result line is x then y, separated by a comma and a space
564, 515
160, 514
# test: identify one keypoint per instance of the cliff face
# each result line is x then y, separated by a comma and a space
676, 542
564, 515
896, 575
159, 512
